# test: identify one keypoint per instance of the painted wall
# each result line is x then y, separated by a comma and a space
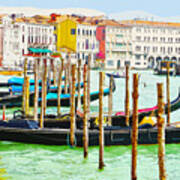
100, 35
66, 35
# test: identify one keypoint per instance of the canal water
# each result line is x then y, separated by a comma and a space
20, 161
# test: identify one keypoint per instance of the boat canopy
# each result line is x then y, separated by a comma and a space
39, 50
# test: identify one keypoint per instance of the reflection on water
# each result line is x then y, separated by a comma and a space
3, 172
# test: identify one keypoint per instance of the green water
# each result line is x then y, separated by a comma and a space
37, 162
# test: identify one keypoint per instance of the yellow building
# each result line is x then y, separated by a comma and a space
66, 35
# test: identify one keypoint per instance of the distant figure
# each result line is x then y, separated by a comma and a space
144, 84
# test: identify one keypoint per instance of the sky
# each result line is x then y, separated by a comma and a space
163, 8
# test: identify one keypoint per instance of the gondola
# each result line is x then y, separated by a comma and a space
119, 117
17, 81
18, 89
16, 100
112, 136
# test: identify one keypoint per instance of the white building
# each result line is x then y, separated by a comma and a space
86, 43
19, 36
152, 42
118, 46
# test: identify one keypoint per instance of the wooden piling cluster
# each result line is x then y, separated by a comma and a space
86, 101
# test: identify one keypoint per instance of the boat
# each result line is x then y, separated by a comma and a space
161, 68
119, 117
116, 75
19, 81
56, 136
18, 89
16, 100
11, 72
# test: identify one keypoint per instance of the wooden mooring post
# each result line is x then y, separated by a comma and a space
72, 125
27, 95
24, 84
127, 96
43, 93
161, 133
36, 93
66, 79
134, 139
168, 94
54, 72
45, 85
79, 84
101, 129
85, 119
88, 84
110, 101
59, 88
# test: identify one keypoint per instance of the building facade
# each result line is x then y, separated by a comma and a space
87, 44
118, 46
152, 42
19, 36
77, 38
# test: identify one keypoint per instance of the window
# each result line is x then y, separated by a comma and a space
155, 39
138, 48
138, 38
138, 30
78, 56
110, 62
23, 38
170, 40
79, 31
28, 39
73, 31
95, 32
138, 57
154, 49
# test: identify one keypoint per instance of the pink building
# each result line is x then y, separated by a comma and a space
100, 36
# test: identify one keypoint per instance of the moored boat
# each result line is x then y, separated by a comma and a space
16, 100
116, 75
112, 136
119, 118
